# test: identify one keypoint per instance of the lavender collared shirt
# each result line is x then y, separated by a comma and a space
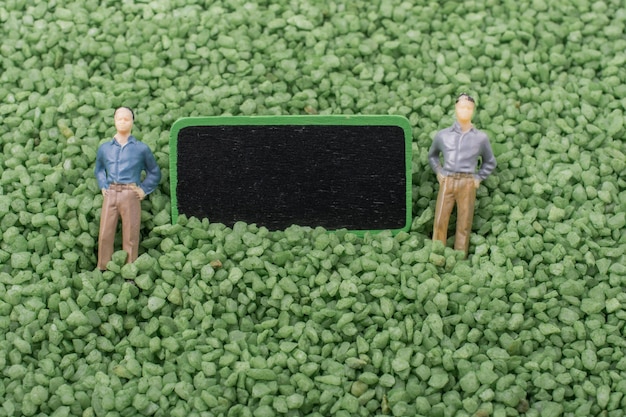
461, 152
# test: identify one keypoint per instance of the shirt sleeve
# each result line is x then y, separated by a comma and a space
100, 171
153, 172
488, 163
433, 155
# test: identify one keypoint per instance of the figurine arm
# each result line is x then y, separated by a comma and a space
100, 171
433, 156
153, 172
488, 163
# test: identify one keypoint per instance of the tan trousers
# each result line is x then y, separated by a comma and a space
456, 189
120, 201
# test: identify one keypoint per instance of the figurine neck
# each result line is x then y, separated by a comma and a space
465, 125
122, 138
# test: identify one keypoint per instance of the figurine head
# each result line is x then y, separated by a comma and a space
124, 118
464, 108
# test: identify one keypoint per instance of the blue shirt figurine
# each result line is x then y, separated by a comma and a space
119, 165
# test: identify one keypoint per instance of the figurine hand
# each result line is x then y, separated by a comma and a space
440, 177
476, 183
140, 193
104, 192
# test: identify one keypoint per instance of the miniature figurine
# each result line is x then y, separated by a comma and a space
461, 145
119, 164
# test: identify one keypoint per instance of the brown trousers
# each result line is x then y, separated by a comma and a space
120, 201
456, 189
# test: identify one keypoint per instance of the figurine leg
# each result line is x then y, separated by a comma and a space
443, 209
130, 211
108, 225
466, 198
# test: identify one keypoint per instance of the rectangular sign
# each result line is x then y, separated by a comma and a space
337, 172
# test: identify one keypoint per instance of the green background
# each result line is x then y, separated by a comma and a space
300, 322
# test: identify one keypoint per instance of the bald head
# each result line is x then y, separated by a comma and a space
128, 109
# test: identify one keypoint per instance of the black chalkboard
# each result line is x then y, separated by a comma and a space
338, 172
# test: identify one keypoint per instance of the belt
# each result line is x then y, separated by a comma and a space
120, 187
460, 175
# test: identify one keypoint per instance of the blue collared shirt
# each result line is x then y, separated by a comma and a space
124, 164
461, 152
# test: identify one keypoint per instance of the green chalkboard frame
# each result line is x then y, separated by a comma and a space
297, 120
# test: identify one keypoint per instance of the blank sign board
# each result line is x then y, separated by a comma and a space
337, 172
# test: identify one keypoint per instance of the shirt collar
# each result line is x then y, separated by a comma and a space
131, 139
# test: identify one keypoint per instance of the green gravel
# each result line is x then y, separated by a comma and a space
242, 321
